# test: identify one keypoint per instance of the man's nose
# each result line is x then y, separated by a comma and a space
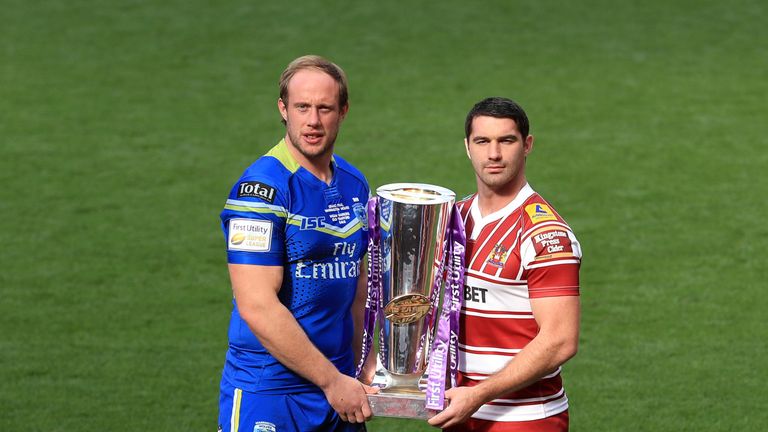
314, 117
494, 150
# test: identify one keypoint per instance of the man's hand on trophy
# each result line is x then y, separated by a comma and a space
369, 370
462, 403
347, 396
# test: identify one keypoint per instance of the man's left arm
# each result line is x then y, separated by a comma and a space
556, 342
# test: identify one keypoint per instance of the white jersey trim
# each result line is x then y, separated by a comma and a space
506, 413
484, 364
484, 376
551, 263
502, 297
529, 400
481, 221
502, 282
489, 349
541, 225
498, 315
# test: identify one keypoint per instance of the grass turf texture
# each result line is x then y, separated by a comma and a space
123, 125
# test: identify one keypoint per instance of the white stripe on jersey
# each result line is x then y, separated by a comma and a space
476, 231
500, 280
500, 297
550, 263
482, 377
528, 400
484, 364
488, 361
540, 225
489, 349
506, 413
498, 315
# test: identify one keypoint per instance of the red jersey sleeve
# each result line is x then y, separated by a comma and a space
550, 253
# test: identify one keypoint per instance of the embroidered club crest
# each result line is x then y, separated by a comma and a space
361, 214
498, 255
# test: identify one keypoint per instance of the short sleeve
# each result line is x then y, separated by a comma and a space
551, 257
253, 221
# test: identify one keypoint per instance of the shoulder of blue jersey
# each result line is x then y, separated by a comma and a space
342, 164
263, 180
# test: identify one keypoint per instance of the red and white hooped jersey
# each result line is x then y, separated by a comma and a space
523, 251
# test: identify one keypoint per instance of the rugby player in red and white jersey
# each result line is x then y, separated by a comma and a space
520, 319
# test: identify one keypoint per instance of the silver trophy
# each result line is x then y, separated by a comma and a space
413, 223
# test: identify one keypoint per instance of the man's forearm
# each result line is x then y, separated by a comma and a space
542, 356
282, 336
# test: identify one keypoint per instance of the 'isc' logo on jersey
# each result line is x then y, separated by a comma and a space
310, 223
540, 213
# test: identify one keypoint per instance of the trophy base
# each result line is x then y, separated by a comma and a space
400, 395
402, 405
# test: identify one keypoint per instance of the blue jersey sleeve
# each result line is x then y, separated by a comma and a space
253, 221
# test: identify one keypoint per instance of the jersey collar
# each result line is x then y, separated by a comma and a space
282, 154
480, 221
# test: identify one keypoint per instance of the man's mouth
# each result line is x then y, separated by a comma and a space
313, 138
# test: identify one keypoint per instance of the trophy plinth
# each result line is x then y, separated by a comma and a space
400, 396
402, 405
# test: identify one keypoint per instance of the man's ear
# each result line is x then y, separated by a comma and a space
466, 147
282, 108
528, 145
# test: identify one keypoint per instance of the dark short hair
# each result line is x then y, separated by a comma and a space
498, 107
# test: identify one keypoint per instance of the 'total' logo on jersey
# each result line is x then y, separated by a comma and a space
540, 212
252, 189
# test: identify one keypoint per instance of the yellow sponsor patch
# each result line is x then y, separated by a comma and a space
539, 213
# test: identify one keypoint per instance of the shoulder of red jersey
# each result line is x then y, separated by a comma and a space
546, 239
537, 210
538, 216
465, 204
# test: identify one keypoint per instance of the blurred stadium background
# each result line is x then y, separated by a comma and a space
124, 123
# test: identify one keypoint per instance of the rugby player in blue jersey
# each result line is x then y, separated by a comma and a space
296, 235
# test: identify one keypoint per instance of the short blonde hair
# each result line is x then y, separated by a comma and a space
318, 63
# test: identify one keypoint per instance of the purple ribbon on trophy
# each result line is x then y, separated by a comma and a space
433, 301
445, 347
373, 307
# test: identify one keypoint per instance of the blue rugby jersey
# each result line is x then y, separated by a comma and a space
279, 214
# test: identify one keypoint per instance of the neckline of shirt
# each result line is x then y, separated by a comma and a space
305, 174
480, 222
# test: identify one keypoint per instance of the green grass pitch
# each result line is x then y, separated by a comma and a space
124, 123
